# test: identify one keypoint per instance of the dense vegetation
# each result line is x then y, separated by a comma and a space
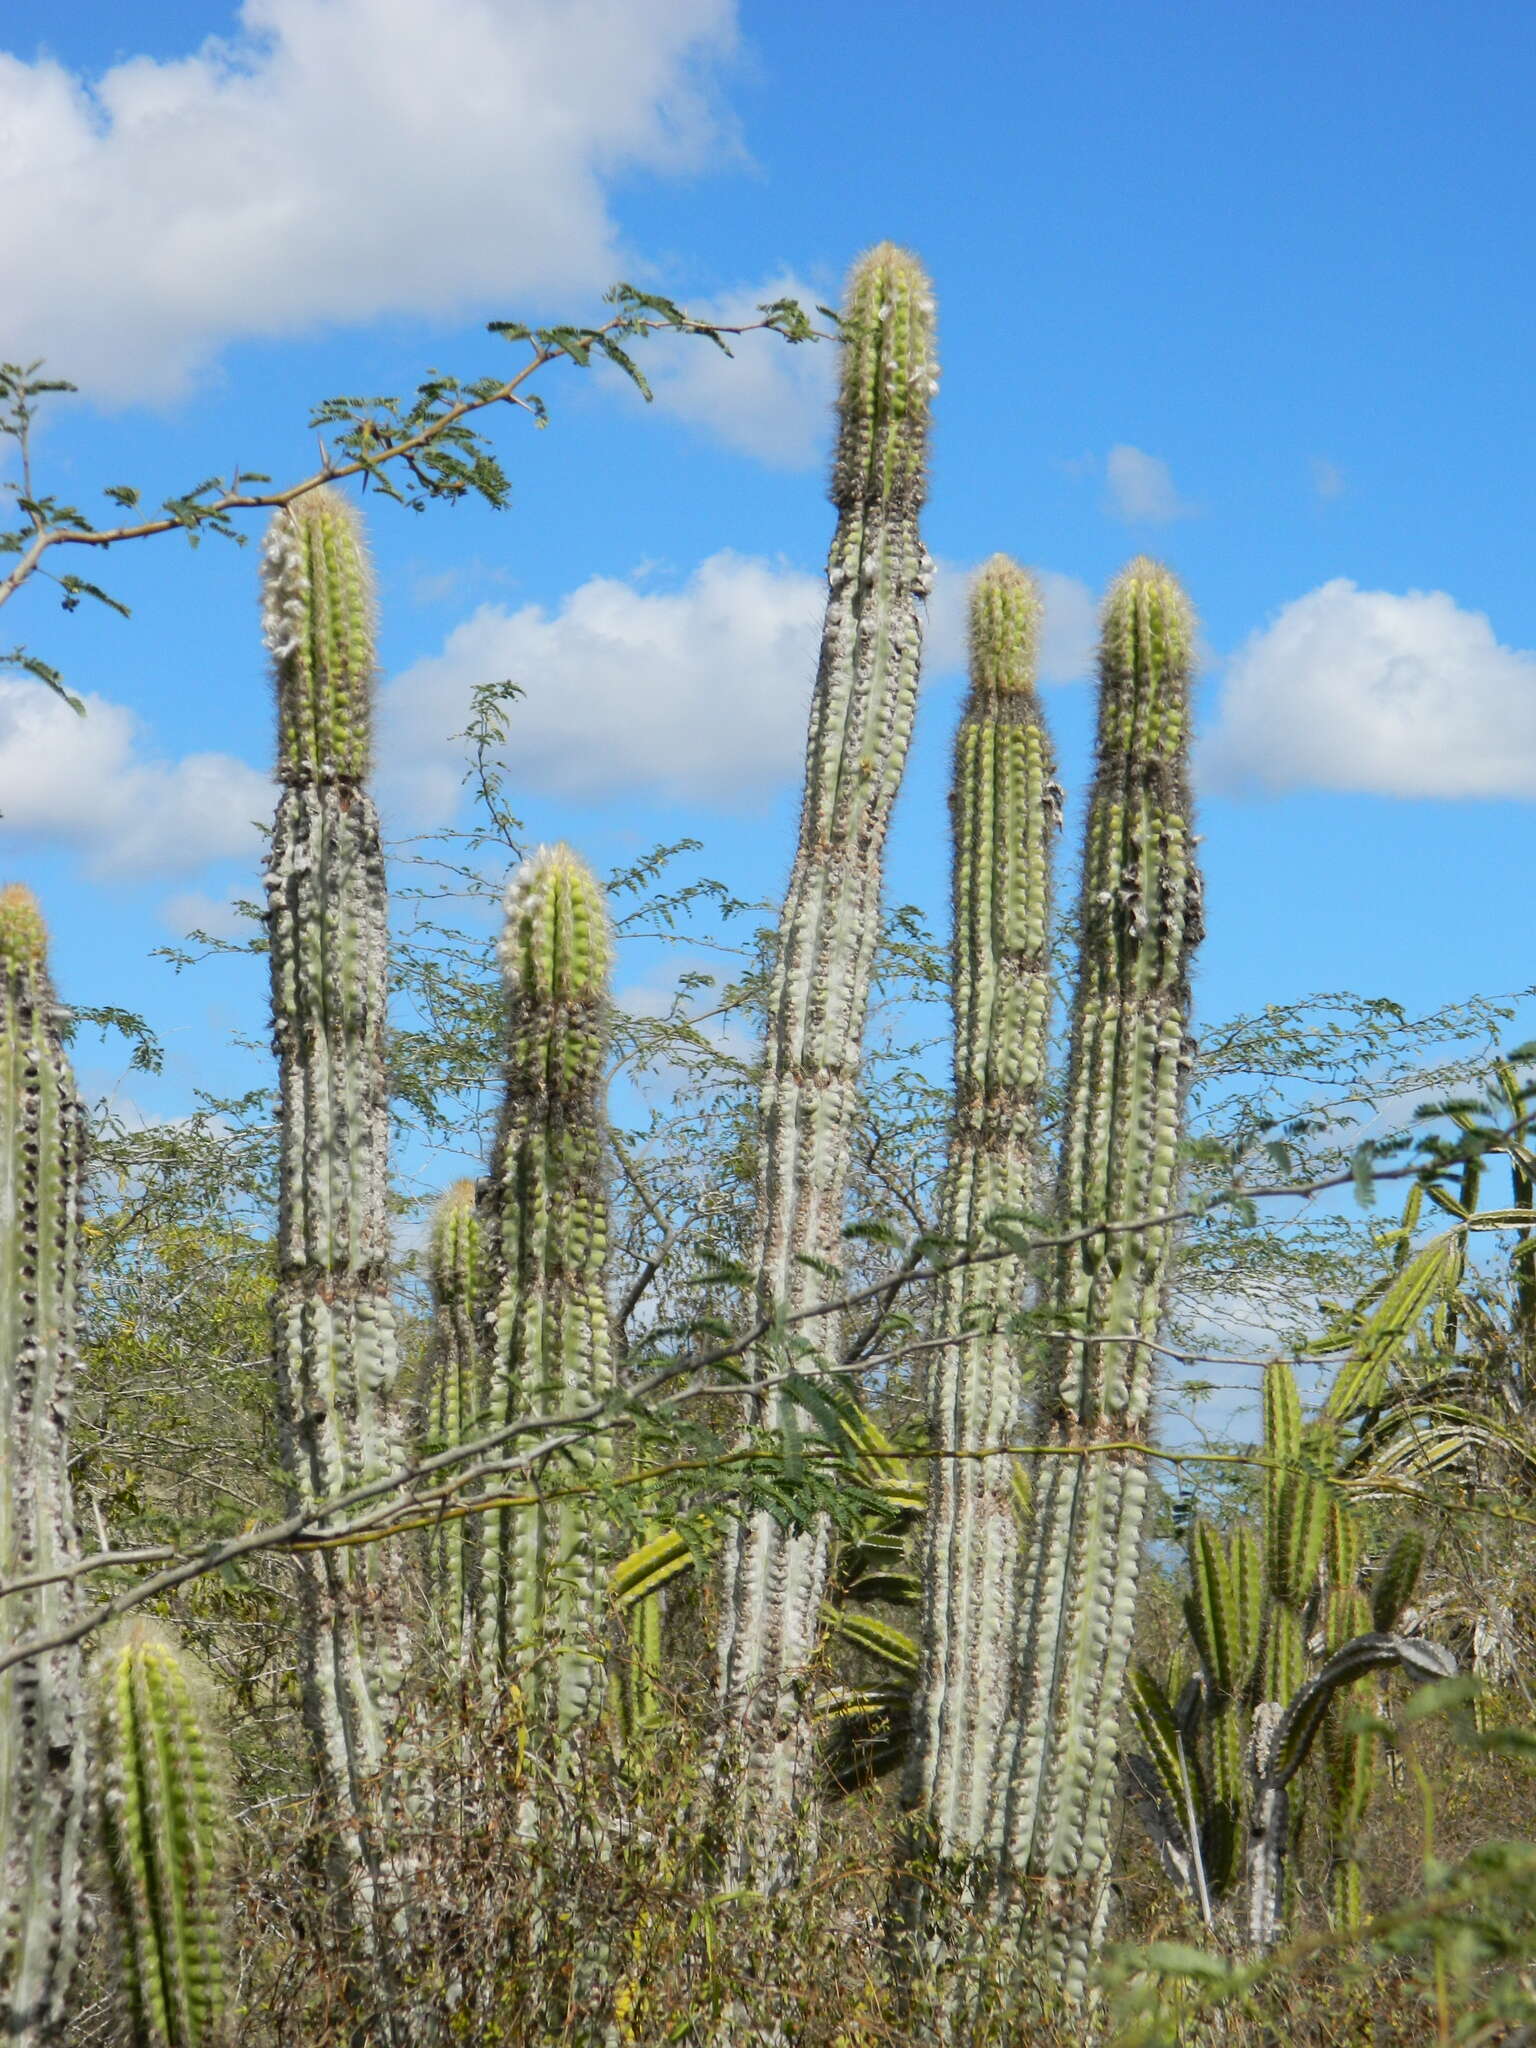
772, 1564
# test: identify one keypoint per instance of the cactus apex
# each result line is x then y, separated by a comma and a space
889, 376
557, 943
317, 617
1005, 614
452, 1251
23, 934
1145, 584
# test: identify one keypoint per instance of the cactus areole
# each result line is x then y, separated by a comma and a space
861, 723
42, 1738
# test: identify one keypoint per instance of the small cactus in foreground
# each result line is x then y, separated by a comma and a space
544, 1595
862, 709
1006, 808
165, 1837
42, 1739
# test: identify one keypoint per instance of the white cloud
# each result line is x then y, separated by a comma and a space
1141, 488
767, 398
334, 162
87, 783
697, 694
1067, 643
1328, 479
1365, 690
221, 917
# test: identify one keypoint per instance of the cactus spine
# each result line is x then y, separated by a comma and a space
1128, 1067
541, 1618
42, 1738
164, 1833
456, 1261
861, 723
334, 1323
1006, 807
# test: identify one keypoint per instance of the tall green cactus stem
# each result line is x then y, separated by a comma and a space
1128, 1070
542, 1609
334, 1344
165, 1837
1006, 808
457, 1265
42, 1738
861, 722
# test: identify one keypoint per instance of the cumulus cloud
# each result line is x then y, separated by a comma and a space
768, 399
1067, 641
1367, 690
1141, 488
334, 162
89, 784
696, 694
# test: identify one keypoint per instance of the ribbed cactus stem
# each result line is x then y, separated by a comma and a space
1006, 807
334, 1322
543, 1591
861, 723
165, 1835
42, 1741
1128, 1070
457, 1266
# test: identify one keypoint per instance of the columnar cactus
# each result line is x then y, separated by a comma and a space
42, 1739
1222, 1751
1128, 1068
861, 723
334, 1323
165, 1836
457, 1267
543, 1590
1006, 808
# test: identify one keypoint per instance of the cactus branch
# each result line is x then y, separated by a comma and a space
861, 722
42, 1737
1006, 809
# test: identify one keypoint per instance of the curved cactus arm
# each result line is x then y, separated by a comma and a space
650, 1566
165, 1835
1006, 808
42, 1732
773, 1577
542, 1590
1375, 1651
1128, 1072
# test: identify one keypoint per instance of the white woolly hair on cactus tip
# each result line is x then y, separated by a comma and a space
545, 869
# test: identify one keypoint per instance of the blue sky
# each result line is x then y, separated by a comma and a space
1250, 289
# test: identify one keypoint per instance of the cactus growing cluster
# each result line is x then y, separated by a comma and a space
1223, 1749
1007, 1707
861, 723
1128, 1069
42, 1739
